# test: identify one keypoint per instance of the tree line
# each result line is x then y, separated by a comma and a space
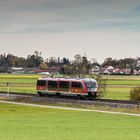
79, 65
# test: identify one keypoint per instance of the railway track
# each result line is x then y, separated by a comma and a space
72, 100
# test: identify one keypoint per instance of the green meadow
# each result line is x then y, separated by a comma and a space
19, 122
118, 87
18, 78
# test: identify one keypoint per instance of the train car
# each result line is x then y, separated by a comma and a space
67, 86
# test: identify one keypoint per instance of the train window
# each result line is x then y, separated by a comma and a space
64, 84
41, 82
90, 84
52, 84
76, 85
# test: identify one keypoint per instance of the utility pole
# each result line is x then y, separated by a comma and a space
8, 88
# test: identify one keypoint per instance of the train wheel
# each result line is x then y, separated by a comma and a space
92, 95
40, 94
80, 97
58, 94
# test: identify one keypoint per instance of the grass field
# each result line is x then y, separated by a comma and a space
19, 83
19, 122
117, 93
118, 87
15, 78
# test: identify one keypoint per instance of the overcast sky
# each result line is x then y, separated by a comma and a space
97, 28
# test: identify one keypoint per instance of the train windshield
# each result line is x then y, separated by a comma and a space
90, 84
41, 82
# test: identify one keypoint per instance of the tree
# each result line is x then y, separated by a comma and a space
21, 62
130, 63
43, 66
52, 61
67, 69
85, 65
3, 60
34, 60
107, 62
101, 85
65, 61
12, 60
80, 65
135, 93
76, 64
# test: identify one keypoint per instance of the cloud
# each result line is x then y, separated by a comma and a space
99, 28
68, 15
96, 44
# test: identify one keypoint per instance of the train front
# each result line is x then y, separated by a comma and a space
91, 87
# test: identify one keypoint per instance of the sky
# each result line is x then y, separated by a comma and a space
96, 28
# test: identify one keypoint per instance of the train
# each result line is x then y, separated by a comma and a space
67, 86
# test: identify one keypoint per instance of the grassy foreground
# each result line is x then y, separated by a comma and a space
33, 123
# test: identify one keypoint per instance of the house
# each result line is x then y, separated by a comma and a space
108, 70
50, 71
15, 69
94, 70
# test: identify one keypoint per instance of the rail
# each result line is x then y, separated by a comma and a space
113, 91
123, 104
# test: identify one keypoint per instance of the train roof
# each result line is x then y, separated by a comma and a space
66, 79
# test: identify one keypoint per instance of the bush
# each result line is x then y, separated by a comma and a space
101, 86
135, 94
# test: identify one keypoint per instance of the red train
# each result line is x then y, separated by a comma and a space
67, 86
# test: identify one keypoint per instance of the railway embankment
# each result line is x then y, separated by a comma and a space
103, 104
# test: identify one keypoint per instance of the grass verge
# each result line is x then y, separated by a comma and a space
34, 123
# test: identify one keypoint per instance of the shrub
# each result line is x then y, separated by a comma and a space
135, 94
101, 86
